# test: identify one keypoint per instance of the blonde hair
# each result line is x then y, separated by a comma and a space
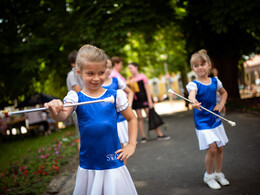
200, 55
89, 53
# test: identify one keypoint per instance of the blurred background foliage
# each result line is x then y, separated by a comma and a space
37, 36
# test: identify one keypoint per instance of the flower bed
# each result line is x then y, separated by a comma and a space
34, 171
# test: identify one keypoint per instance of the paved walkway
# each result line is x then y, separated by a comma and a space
176, 166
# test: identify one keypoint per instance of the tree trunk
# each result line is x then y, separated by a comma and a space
184, 79
228, 74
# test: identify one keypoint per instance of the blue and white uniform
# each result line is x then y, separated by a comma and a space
99, 172
209, 128
122, 126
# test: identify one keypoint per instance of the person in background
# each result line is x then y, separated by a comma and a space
75, 83
116, 83
117, 64
143, 100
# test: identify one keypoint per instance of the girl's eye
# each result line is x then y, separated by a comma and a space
89, 73
101, 73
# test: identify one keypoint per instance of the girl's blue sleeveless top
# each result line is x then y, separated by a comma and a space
98, 133
206, 95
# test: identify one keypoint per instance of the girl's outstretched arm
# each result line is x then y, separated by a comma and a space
192, 97
129, 150
58, 112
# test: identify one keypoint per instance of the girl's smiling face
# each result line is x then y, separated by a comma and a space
93, 75
201, 68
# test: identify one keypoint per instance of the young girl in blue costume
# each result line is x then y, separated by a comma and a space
116, 83
101, 170
209, 128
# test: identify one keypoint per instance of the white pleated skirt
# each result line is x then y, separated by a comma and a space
122, 131
209, 136
104, 182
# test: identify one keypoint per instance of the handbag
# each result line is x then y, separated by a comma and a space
154, 120
133, 85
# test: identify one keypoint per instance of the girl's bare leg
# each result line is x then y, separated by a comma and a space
157, 130
218, 160
210, 157
140, 122
220, 177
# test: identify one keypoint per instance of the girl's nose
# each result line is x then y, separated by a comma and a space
96, 77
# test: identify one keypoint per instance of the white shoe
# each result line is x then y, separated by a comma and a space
220, 177
209, 179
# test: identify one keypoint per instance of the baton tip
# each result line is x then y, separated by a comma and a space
110, 99
233, 124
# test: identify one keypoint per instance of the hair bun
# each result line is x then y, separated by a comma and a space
202, 51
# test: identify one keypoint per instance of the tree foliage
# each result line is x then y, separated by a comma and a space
38, 35
227, 29
31, 34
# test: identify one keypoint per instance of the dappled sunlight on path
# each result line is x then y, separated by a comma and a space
169, 107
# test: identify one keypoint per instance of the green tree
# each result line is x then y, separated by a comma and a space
167, 46
39, 34
227, 29
30, 33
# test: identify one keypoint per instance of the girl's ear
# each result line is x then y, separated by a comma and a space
78, 72
210, 64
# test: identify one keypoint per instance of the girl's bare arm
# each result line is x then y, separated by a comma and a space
223, 99
130, 95
58, 112
192, 97
126, 152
